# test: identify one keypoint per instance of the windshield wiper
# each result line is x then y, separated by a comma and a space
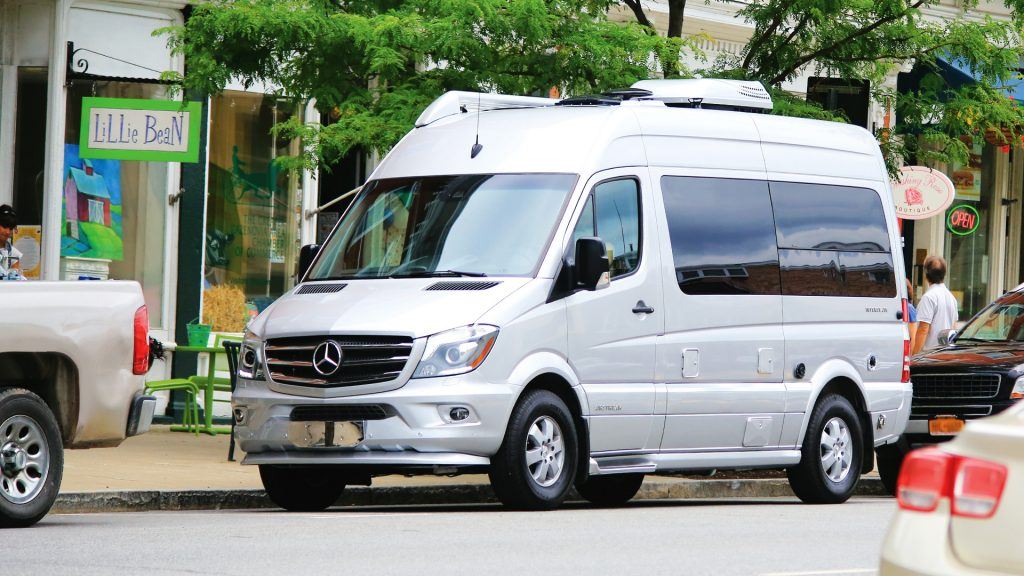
437, 273
968, 339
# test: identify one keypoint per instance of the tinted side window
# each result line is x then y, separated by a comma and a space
823, 217
722, 234
616, 220
811, 273
868, 274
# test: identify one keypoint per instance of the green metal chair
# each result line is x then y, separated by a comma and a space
210, 383
190, 418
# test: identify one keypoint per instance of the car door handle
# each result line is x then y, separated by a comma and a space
642, 308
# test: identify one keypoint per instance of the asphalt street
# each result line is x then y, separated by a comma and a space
777, 537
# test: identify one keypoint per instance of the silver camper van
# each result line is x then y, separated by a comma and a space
585, 291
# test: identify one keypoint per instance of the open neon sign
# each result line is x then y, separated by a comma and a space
963, 220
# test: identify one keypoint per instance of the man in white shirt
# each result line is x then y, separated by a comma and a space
938, 308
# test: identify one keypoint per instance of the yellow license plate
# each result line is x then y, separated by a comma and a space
945, 426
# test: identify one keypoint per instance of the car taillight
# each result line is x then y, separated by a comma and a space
929, 475
905, 377
923, 478
978, 488
140, 356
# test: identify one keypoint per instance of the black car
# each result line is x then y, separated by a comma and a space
975, 373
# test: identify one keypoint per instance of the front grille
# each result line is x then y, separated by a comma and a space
344, 413
949, 386
965, 412
364, 360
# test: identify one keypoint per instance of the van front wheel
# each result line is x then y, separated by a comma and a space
830, 460
302, 488
536, 464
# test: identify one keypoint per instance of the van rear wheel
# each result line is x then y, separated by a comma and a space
536, 464
831, 456
302, 488
611, 490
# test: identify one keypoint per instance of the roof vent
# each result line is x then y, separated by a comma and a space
448, 285
709, 93
320, 288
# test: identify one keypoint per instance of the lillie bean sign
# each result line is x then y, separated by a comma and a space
133, 129
921, 193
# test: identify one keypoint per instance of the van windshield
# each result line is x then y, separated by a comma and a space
466, 225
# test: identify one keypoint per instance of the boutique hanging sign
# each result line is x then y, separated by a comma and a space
145, 130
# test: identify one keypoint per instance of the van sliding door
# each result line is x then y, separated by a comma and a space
722, 354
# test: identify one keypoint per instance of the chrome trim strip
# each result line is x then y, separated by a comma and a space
382, 458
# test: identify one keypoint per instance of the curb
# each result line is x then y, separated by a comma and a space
181, 500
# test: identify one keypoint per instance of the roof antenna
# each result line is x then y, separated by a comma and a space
477, 147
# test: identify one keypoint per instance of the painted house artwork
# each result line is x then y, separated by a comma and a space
92, 207
86, 198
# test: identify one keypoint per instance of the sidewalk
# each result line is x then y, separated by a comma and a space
164, 470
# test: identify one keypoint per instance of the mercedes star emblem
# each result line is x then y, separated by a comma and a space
327, 358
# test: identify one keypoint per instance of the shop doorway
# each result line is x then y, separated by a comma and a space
30, 144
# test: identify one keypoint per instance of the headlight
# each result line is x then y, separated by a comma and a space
456, 351
250, 363
1018, 389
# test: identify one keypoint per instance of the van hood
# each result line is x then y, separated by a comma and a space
399, 306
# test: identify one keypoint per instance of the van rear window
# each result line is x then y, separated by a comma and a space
825, 217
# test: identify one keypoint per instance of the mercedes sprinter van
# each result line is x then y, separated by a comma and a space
581, 292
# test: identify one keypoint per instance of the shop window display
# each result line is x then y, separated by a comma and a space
253, 205
114, 211
967, 247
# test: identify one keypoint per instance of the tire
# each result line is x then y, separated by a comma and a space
612, 490
542, 427
302, 488
833, 415
889, 459
31, 458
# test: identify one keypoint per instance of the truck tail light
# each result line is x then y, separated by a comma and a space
140, 356
905, 377
929, 475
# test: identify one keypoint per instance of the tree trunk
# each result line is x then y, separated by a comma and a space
676, 9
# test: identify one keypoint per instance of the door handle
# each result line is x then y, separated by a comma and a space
642, 308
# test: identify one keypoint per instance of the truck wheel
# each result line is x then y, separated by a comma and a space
31, 458
536, 464
302, 488
890, 459
611, 490
830, 460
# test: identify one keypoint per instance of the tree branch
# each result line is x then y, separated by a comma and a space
755, 43
850, 37
638, 11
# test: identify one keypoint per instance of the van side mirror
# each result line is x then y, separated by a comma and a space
306, 257
947, 337
591, 267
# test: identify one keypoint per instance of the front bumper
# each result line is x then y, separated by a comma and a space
416, 433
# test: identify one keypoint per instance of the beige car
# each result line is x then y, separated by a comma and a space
961, 504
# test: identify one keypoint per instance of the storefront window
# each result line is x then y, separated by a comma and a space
114, 210
968, 230
253, 206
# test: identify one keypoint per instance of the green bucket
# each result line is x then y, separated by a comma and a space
198, 334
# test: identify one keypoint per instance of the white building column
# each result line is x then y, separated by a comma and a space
53, 177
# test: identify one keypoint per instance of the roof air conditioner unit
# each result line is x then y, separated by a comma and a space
709, 93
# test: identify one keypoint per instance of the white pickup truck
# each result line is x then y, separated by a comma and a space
72, 360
